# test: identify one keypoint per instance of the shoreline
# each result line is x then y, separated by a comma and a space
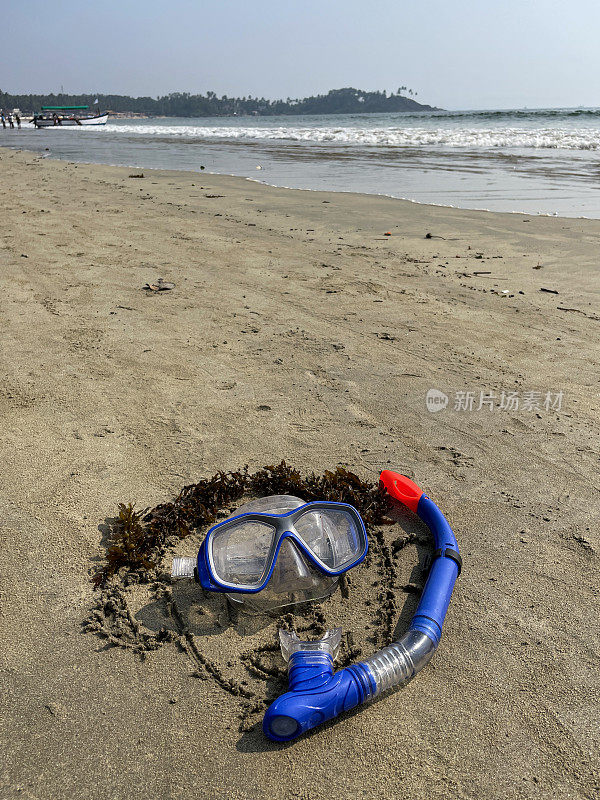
296, 329
250, 179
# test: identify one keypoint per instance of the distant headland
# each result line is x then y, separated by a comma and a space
182, 104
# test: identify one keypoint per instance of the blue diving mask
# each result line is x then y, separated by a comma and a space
278, 551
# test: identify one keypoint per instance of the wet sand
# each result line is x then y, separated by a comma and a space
296, 330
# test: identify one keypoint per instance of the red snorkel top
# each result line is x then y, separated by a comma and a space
401, 488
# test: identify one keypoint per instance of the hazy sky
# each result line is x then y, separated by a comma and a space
455, 53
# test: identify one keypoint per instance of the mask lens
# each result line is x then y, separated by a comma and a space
333, 536
240, 552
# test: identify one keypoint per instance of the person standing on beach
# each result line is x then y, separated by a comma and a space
2, 118
18, 120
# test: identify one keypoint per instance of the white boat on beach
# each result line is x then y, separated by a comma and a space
67, 116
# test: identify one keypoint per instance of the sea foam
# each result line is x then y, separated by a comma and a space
567, 138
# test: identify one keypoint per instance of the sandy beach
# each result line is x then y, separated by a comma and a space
296, 330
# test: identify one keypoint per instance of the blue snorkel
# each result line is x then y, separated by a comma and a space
317, 694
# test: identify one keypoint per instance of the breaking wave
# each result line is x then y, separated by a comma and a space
457, 136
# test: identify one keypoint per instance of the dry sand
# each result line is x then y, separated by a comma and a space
296, 330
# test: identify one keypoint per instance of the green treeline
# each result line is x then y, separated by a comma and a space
182, 104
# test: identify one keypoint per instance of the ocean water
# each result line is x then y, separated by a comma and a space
544, 161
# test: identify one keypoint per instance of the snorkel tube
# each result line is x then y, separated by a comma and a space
317, 694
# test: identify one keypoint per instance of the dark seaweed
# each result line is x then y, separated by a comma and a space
138, 538
129, 543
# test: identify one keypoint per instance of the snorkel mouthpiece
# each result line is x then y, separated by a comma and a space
317, 694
